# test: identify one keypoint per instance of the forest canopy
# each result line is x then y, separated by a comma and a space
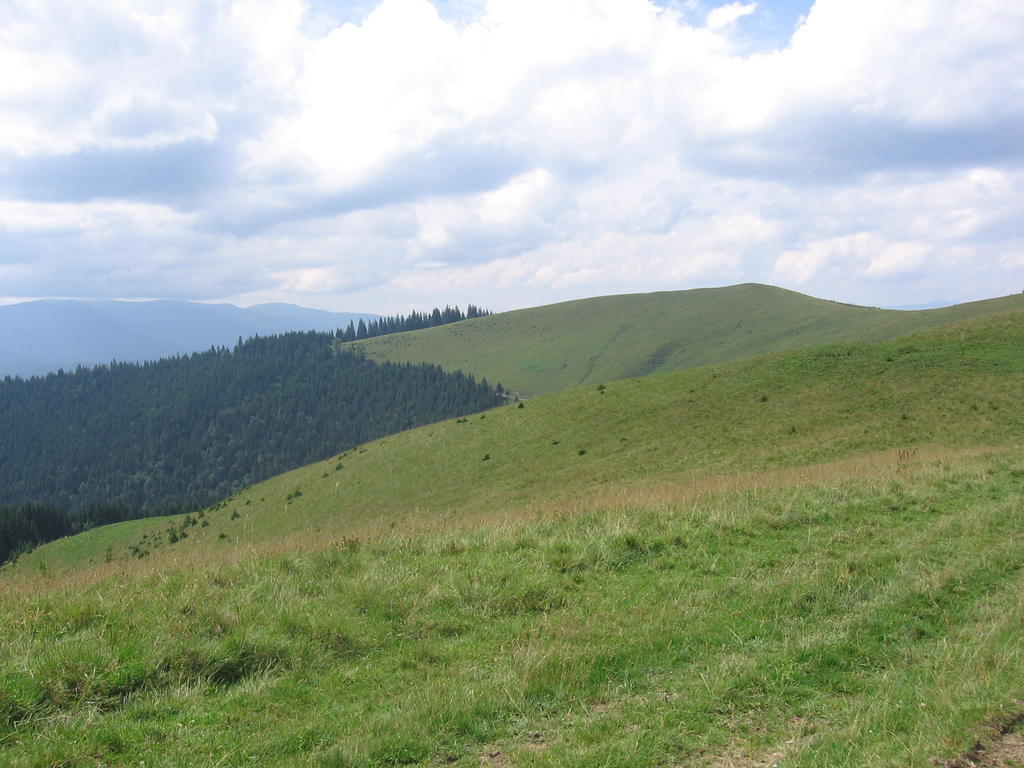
189, 430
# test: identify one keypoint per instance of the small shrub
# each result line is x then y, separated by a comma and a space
487, 457
521, 405
235, 515
581, 451
764, 398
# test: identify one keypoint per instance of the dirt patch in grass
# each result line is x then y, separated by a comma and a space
496, 759
737, 758
740, 755
1002, 748
536, 742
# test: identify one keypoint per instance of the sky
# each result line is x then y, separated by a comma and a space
386, 155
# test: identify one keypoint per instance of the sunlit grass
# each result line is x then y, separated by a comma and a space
867, 622
811, 559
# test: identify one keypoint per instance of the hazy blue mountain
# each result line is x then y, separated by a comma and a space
936, 304
37, 337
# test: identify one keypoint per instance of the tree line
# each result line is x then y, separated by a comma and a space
26, 527
413, 322
189, 430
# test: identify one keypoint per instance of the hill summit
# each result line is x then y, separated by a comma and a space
592, 341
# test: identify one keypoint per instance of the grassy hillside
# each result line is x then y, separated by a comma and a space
955, 387
561, 346
808, 559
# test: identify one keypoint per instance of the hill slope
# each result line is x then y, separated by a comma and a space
807, 559
958, 386
561, 346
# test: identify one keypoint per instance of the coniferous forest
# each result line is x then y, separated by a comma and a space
415, 321
127, 439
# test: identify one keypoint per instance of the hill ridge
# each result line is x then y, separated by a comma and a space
609, 338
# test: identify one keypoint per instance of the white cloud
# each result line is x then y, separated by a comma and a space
862, 253
725, 15
920, 61
90, 219
536, 149
114, 74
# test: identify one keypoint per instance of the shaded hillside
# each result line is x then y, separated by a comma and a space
560, 346
190, 430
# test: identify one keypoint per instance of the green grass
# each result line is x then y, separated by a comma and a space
954, 389
854, 623
811, 558
592, 341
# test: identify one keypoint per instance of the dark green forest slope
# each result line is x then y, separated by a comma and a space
192, 429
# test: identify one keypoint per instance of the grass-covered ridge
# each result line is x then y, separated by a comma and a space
953, 388
810, 559
593, 341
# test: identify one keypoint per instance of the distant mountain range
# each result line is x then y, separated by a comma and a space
38, 337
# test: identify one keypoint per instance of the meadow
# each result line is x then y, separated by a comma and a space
593, 341
811, 558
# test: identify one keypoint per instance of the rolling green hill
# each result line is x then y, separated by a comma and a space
810, 558
957, 386
561, 346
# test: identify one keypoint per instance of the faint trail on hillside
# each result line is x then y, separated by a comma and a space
597, 358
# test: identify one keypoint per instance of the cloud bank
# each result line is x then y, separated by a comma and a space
380, 156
